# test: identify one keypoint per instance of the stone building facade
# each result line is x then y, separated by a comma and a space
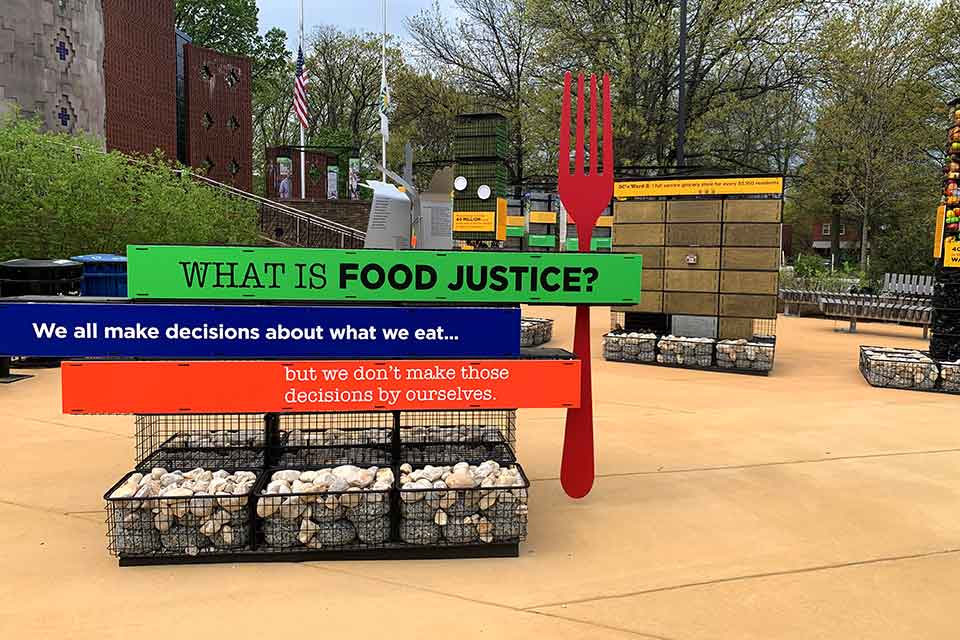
51, 62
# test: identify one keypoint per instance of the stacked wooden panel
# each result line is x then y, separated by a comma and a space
749, 266
711, 258
640, 227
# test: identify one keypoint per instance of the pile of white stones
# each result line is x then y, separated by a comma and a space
451, 433
181, 511
680, 350
535, 331
462, 503
950, 374
327, 507
632, 346
744, 354
900, 368
338, 437
216, 438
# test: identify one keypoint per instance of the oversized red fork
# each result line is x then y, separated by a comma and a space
585, 196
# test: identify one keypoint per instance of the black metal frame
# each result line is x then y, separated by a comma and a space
405, 552
475, 435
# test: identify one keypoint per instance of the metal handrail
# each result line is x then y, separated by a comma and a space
304, 216
296, 213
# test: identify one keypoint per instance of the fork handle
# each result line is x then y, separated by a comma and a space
577, 466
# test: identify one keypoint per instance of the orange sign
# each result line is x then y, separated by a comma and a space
256, 386
501, 218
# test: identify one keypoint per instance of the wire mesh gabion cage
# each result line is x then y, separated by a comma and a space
182, 441
318, 439
428, 436
180, 513
688, 352
630, 346
535, 331
746, 355
495, 510
899, 368
346, 507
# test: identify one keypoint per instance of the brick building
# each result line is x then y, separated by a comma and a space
849, 236
139, 64
219, 133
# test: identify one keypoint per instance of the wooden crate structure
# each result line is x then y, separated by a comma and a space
710, 247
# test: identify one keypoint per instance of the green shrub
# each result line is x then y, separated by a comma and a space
808, 266
61, 195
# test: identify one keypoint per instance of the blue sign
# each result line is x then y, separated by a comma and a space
111, 329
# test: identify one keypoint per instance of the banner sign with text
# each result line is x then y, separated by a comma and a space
951, 253
256, 386
99, 330
760, 185
239, 273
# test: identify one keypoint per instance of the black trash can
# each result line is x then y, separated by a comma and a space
23, 277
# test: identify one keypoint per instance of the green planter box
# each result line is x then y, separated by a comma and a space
595, 244
535, 240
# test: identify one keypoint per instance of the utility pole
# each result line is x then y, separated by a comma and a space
682, 93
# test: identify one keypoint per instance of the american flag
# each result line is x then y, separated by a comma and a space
300, 91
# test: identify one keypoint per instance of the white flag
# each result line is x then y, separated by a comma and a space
384, 107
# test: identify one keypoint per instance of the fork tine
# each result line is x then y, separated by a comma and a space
564, 162
594, 151
607, 127
578, 158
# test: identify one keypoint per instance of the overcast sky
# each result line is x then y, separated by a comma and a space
358, 15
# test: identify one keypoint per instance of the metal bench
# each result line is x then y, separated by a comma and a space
904, 284
900, 308
810, 294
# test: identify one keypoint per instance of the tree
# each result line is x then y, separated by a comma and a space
232, 27
490, 53
878, 121
740, 54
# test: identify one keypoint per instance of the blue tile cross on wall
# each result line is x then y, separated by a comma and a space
64, 116
62, 50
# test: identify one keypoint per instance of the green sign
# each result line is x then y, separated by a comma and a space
238, 273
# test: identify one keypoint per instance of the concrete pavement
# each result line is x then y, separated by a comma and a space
803, 505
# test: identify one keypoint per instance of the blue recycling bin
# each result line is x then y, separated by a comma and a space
104, 274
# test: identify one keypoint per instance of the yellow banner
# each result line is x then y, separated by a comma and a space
698, 187
543, 217
514, 221
605, 221
938, 234
475, 221
951, 253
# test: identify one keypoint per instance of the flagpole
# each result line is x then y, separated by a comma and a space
303, 137
383, 68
